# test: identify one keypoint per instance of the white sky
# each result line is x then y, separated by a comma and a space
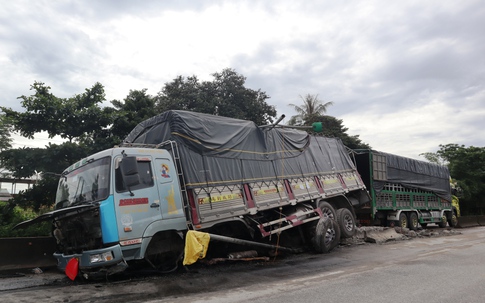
404, 75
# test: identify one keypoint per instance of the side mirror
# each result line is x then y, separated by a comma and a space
129, 171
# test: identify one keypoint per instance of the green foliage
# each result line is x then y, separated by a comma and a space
135, 108
433, 158
40, 195
5, 129
311, 110
11, 215
334, 128
69, 118
467, 167
226, 96
26, 162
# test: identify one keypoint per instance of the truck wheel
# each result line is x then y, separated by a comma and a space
403, 220
327, 235
453, 222
327, 210
443, 222
165, 251
413, 221
346, 222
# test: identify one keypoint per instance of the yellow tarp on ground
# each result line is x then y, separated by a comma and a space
196, 244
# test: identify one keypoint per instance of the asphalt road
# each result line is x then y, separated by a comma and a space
437, 269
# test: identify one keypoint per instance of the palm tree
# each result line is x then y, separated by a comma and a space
312, 107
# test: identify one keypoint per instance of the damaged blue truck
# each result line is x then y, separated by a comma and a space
270, 187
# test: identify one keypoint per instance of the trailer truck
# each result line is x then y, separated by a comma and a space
405, 192
272, 187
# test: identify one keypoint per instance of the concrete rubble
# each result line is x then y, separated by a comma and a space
380, 235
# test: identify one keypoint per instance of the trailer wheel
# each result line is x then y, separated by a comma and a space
453, 221
346, 222
327, 210
403, 220
442, 223
327, 235
413, 221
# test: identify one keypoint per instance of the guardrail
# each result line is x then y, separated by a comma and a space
24, 253
470, 221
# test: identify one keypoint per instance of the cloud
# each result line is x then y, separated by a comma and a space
405, 76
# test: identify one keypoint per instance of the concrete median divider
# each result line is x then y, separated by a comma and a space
469, 221
481, 220
27, 253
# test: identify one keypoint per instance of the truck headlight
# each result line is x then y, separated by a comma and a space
106, 256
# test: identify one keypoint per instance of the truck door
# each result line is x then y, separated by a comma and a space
168, 188
137, 207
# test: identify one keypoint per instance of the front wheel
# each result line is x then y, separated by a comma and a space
327, 235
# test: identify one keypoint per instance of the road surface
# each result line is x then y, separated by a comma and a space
431, 269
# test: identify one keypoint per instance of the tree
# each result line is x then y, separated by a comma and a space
433, 158
333, 127
226, 95
79, 118
467, 167
311, 109
69, 118
5, 129
136, 107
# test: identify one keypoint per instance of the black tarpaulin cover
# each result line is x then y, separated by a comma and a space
217, 150
417, 174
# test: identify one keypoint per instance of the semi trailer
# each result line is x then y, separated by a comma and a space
404, 192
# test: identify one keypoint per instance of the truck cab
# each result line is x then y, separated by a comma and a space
110, 206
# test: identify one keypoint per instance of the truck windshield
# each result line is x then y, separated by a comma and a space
88, 183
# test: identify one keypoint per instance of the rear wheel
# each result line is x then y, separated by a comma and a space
403, 220
413, 221
346, 222
327, 210
443, 221
453, 221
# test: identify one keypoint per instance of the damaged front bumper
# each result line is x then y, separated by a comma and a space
93, 263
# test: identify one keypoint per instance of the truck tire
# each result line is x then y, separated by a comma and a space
327, 210
413, 221
453, 221
403, 220
442, 223
346, 222
327, 235
165, 251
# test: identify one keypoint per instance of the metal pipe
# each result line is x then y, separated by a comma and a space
274, 124
252, 243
